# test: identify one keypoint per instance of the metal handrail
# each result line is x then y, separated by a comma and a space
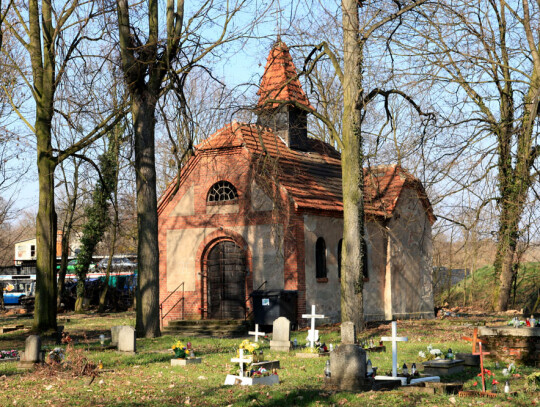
175, 304
246, 315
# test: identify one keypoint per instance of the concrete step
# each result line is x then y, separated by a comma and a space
208, 328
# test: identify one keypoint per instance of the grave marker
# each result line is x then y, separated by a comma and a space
313, 334
394, 339
126, 339
281, 335
256, 333
348, 333
482, 373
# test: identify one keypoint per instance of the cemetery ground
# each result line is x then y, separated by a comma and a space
148, 379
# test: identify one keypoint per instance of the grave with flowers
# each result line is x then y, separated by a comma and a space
9, 355
314, 347
250, 371
184, 354
442, 364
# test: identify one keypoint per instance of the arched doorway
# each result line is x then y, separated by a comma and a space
226, 281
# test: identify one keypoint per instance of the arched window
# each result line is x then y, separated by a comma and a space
339, 248
320, 258
222, 191
365, 265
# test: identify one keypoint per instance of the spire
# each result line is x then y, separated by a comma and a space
280, 79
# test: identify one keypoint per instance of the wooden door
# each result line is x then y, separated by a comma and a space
226, 274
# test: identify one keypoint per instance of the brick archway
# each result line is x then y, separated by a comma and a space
205, 249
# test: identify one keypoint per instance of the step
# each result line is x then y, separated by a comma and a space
205, 332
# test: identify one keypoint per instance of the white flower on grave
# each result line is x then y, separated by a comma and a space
435, 352
429, 347
422, 354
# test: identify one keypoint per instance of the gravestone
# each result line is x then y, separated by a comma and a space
114, 334
281, 335
348, 333
126, 339
32, 352
313, 334
348, 368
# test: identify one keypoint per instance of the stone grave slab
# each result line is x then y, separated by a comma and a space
389, 383
281, 335
185, 362
127, 339
309, 355
469, 359
401, 380
232, 380
443, 367
10, 328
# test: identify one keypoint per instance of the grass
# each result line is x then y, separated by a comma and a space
147, 379
477, 289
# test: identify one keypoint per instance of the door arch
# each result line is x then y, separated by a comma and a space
226, 281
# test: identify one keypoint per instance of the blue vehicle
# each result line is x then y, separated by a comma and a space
17, 288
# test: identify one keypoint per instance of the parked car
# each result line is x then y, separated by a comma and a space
73, 263
117, 263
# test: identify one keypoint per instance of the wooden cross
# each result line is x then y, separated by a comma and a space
394, 339
241, 360
312, 332
482, 363
257, 333
474, 340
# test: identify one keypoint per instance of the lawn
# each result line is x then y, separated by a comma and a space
147, 379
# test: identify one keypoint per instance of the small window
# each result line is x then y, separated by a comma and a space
339, 249
222, 191
32, 251
320, 258
365, 265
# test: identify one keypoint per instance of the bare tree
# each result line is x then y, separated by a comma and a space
482, 59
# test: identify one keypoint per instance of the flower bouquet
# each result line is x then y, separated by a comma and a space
182, 351
9, 354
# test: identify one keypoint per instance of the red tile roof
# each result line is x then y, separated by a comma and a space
313, 178
280, 79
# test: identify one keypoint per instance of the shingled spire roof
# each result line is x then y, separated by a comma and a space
280, 79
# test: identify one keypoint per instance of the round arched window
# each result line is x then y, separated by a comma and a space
222, 191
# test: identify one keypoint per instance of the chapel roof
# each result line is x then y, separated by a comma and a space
280, 79
313, 178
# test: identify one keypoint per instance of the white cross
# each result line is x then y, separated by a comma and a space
241, 360
312, 332
394, 339
256, 332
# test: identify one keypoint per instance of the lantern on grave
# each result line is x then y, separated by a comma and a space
507, 387
532, 321
102, 339
450, 355
327, 371
413, 369
404, 370
369, 368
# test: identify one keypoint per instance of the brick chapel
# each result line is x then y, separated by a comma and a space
259, 206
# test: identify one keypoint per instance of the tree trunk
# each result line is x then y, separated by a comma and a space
45, 305
147, 324
352, 283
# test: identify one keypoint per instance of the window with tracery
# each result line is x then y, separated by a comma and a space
222, 191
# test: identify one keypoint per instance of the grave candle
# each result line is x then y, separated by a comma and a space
369, 368
507, 387
404, 369
327, 371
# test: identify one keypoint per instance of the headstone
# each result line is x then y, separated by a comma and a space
32, 352
126, 339
348, 368
114, 334
32, 348
313, 334
348, 333
281, 335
